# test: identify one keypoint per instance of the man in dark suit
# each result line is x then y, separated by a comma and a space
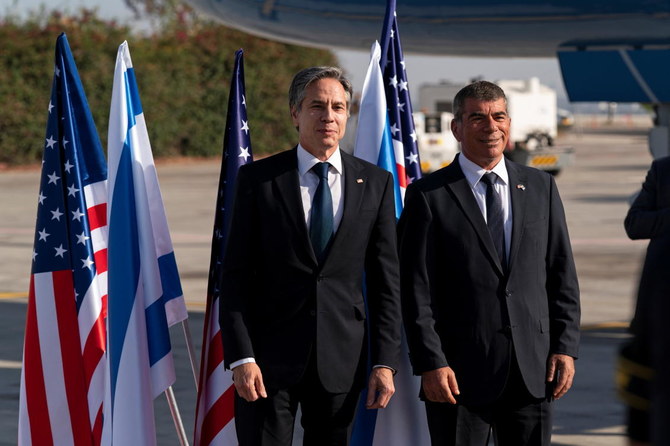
649, 218
489, 289
307, 224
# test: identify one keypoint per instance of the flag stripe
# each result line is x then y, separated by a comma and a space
56, 394
215, 357
123, 286
36, 397
94, 349
100, 258
97, 216
222, 412
73, 371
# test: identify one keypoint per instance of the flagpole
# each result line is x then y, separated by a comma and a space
176, 417
191, 351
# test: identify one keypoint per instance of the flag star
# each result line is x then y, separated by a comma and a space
57, 71
245, 126
81, 238
402, 62
76, 215
72, 190
244, 153
34, 255
394, 129
53, 178
401, 106
87, 263
413, 135
68, 166
43, 234
392, 34
41, 198
413, 158
65, 141
56, 214
244, 100
50, 142
402, 85
60, 251
394, 82
50, 107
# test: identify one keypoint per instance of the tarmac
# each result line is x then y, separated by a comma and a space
610, 164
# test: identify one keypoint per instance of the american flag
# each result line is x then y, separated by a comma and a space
398, 100
62, 380
214, 423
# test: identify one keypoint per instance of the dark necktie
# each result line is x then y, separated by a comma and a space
494, 215
321, 218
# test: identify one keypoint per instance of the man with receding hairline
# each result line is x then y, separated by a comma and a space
307, 223
489, 288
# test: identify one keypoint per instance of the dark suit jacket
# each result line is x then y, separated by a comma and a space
649, 218
279, 305
461, 308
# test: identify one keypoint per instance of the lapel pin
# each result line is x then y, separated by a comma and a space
359, 180
521, 186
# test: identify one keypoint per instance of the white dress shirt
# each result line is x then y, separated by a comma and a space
309, 181
473, 174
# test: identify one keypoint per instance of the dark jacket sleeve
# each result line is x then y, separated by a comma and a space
238, 274
562, 283
645, 218
383, 283
414, 235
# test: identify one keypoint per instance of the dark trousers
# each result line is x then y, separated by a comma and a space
326, 417
516, 418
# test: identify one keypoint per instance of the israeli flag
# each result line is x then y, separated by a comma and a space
145, 295
373, 139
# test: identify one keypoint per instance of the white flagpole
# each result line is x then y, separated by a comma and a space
176, 417
191, 351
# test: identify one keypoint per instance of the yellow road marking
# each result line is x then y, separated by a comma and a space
13, 295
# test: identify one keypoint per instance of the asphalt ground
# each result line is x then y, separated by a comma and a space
610, 165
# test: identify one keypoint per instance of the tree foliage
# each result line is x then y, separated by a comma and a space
183, 74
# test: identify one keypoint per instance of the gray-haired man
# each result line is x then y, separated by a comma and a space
307, 223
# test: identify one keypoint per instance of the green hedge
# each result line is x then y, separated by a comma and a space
183, 74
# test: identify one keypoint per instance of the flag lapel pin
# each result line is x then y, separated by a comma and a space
359, 180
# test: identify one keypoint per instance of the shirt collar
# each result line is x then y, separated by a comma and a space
473, 172
306, 160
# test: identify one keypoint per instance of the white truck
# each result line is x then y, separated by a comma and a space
532, 107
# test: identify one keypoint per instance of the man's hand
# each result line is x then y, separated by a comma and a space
440, 385
249, 381
560, 371
380, 388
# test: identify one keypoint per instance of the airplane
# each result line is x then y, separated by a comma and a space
608, 50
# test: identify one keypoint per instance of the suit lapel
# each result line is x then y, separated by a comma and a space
517, 191
287, 186
460, 188
354, 188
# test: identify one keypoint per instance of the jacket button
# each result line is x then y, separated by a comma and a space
508, 293
312, 313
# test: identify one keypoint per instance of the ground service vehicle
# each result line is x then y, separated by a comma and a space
534, 114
